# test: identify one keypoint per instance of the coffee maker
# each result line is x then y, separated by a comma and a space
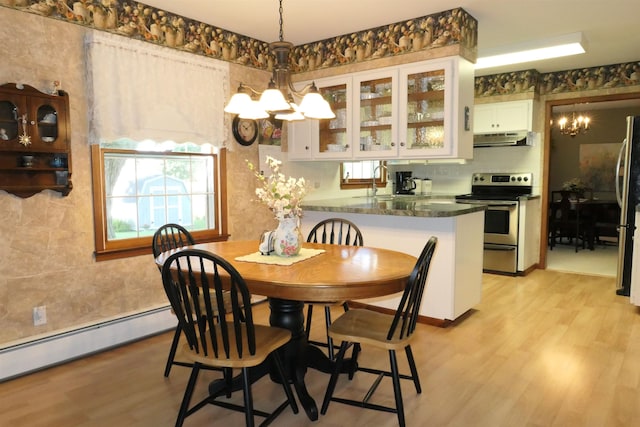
404, 183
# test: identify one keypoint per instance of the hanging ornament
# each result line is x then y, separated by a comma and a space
24, 139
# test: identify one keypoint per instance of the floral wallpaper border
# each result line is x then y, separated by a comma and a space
594, 78
137, 20
456, 26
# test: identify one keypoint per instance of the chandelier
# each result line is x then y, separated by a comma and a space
278, 97
575, 125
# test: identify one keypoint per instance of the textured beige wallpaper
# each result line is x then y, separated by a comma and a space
47, 240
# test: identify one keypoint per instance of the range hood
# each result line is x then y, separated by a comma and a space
503, 139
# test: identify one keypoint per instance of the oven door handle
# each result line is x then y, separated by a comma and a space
503, 248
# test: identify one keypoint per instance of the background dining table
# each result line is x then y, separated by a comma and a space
336, 273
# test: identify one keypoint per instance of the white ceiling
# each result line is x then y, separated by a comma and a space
611, 27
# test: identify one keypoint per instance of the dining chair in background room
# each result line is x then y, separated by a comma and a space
384, 331
335, 231
570, 217
230, 341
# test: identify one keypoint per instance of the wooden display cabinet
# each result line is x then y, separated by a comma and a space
35, 152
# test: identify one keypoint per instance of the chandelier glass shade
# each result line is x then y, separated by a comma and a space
574, 125
278, 97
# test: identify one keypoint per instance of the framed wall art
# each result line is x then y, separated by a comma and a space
270, 131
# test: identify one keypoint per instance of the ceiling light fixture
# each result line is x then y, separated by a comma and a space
575, 126
555, 47
277, 99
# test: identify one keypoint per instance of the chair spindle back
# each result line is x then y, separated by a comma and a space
190, 278
406, 317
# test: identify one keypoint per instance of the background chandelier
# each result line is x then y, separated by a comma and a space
278, 99
575, 125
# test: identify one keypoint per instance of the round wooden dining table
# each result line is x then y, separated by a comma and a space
338, 273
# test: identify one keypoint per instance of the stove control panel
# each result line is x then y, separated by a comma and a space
502, 179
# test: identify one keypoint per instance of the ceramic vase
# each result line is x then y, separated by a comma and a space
288, 239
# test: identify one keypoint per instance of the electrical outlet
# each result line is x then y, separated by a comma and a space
39, 315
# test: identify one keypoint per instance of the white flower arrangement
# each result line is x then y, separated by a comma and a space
281, 194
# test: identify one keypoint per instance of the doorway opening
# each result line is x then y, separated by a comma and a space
589, 157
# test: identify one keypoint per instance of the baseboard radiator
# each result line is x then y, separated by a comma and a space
34, 355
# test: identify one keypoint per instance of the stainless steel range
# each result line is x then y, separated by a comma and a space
502, 193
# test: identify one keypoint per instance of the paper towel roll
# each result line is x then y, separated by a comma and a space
425, 187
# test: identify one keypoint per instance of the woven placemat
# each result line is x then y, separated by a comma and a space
305, 253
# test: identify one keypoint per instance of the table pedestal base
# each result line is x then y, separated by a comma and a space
297, 355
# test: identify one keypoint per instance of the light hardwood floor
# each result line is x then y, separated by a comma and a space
548, 349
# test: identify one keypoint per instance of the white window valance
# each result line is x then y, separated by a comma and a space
139, 90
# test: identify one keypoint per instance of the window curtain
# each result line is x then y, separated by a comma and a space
143, 91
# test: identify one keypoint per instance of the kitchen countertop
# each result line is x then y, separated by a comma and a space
418, 206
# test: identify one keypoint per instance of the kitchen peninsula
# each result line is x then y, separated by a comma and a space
405, 224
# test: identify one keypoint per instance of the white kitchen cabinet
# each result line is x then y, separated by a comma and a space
419, 110
299, 140
435, 101
326, 139
499, 117
529, 233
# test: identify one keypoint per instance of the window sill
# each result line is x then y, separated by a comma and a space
132, 252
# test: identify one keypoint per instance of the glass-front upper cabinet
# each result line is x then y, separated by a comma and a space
335, 135
434, 110
375, 119
425, 110
312, 139
420, 110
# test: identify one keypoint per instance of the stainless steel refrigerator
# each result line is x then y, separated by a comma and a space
628, 194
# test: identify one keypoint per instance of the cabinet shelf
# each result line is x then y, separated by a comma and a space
334, 130
381, 100
49, 148
426, 96
375, 127
25, 191
425, 123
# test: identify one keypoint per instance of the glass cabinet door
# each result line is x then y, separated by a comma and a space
376, 118
8, 121
335, 134
425, 112
47, 123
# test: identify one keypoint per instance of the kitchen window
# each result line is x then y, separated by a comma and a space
360, 174
140, 186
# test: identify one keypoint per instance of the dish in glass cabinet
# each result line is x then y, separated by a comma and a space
336, 147
48, 139
437, 83
49, 119
369, 95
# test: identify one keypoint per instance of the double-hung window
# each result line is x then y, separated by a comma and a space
138, 187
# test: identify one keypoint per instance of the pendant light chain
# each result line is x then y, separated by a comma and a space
281, 32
